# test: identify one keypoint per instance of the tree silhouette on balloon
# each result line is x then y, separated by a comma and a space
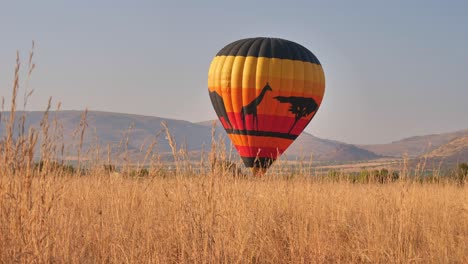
299, 106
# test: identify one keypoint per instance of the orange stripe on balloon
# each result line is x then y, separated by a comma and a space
260, 141
278, 84
234, 101
237, 92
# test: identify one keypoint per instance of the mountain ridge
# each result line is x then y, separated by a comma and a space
454, 151
413, 146
111, 128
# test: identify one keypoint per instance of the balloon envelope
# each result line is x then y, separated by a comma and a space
265, 91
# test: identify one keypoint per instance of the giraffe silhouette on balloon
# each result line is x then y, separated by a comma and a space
251, 108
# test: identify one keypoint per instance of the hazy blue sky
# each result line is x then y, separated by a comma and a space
393, 68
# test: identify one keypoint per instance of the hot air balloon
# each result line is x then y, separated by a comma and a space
265, 91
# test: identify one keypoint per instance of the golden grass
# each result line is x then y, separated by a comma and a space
97, 219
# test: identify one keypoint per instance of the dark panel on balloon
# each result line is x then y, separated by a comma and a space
269, 48
257, 162
261, 133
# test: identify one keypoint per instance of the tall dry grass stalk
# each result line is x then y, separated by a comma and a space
50, 215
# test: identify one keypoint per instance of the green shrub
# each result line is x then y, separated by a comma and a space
143, 172
54, 167
462, 173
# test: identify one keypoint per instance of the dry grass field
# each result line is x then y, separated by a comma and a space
214, 219
50, 213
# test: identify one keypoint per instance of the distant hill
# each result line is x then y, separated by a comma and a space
347, 153
328, 150
454, 151
414, 146
111, 130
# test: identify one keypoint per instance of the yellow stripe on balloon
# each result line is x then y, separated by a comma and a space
240, 71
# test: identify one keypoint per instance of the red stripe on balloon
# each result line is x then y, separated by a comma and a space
279, 124
245, 151
224, 122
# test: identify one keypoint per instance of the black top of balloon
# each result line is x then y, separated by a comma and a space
269, 48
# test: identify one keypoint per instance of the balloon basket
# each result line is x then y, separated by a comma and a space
258, 171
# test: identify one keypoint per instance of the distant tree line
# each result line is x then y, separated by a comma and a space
366, 176
459, 174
